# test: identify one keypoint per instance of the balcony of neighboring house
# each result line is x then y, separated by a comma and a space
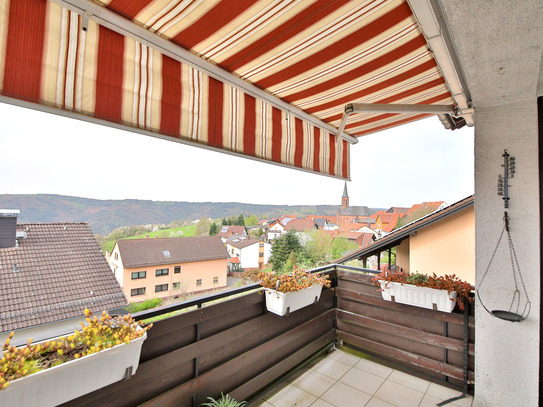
350, 348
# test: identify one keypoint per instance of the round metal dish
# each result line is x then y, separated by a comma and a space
508, 316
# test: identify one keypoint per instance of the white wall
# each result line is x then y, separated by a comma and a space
507, 354
116, 264
249, 256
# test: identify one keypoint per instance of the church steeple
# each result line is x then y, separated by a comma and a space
345, 198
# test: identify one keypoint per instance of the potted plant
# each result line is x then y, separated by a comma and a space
106, 350
225, 401
432, 292
286, 293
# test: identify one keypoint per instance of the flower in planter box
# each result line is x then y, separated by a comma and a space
446, 282
296, 281
100, 333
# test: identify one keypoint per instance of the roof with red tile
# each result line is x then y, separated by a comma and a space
300, 225
229, 230
53, 274
242, 241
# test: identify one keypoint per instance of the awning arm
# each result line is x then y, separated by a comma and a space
432, 24
398, 108
107, 18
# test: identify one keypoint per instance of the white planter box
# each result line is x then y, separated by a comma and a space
285, 303
73, 379
423, 297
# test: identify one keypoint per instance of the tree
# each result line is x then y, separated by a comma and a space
251, 220
291, 262
341, 246
213, 229
282, 248
240, 221
318, 247
202, 229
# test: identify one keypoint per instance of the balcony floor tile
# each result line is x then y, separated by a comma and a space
345, 380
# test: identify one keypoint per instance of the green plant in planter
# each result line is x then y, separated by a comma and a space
225, 401
99, 334
417, 279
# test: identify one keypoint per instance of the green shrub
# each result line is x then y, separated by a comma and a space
417, 278
142, 306
225, 401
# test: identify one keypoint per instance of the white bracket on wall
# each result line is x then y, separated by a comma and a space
397, 108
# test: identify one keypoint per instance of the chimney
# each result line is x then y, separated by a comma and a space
8, 227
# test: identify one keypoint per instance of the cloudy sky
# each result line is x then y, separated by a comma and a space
43, 153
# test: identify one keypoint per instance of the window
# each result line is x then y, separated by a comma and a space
116, 256
199, 282
162, 272
260, 254
177, 269
176, 286
215, 280
139, 274
137, 291
261, 245
161, 287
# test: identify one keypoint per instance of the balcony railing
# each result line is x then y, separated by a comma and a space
237, 347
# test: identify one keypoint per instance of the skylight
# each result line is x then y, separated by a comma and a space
166, 253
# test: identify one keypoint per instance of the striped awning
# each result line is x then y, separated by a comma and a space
263, 79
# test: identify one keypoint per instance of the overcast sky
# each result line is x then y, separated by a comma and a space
43, 153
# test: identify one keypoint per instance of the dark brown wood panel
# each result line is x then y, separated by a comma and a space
421, 340
260, 330
249, 364
393, 353
255, 384
452, 318
401, 331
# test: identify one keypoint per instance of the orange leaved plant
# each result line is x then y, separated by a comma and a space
446, 282
99, 334
296, 281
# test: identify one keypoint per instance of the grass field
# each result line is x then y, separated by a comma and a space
183, 231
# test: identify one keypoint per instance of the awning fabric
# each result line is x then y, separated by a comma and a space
317, 55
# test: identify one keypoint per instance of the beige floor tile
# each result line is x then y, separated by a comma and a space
291, 396
363, 381
375, 402
331, 368
344, 357
399, 395
314, 383
262, 403
407, 380
375, 368
430, 401
341, 395
444, 393
321, 403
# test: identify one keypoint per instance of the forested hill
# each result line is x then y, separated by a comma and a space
106, 215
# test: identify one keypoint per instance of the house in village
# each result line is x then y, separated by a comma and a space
49, 274
442, 242
169, 267
275, 230
251, 253
362, 239
227, 230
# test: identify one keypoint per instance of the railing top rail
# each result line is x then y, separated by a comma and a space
199, 301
